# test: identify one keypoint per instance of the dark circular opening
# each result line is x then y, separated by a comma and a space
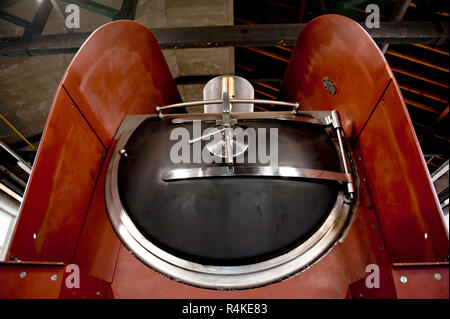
226, 221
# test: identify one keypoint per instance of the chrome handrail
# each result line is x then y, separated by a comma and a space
159, 109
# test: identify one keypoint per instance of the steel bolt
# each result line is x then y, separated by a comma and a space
53, 277
123, 152
437, 276
23, 274
403, 279
98, 293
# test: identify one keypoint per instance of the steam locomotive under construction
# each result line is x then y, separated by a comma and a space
150, 199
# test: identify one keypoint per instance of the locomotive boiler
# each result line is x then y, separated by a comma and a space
152, 200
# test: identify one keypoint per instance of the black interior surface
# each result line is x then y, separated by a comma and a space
226, 221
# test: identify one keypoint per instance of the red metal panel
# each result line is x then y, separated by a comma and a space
404, 199
120, 70
98, 247
336, 47
30, 281
406, 204
42, 280
386, 289
407, 281
91, 287
60, 186
364, 244
133, 279
422, 281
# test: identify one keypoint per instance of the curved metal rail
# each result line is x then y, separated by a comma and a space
159, 109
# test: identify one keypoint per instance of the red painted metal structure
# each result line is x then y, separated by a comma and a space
120, 70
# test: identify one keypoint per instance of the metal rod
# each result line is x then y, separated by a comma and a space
10, 192
440, 171
419, 77
14, 19
17, 132
188, 104
159, 109
421, 106
423, 93
336, 122
206, 135
414, 59
12, 176
271, 102
254, 171
442, 114
300, 116
341, 146
25, 166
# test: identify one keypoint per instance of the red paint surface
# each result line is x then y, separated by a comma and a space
98, 246
36, 283
135, 280
48, 281
60, 186
404, 200
336, 47
120, 70
423, 281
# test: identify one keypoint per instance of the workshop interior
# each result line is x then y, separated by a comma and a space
224, 149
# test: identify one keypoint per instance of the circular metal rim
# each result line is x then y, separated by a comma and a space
219, 277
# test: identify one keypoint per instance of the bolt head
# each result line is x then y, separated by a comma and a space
54, 277
437, 276
22, 274
403, 279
